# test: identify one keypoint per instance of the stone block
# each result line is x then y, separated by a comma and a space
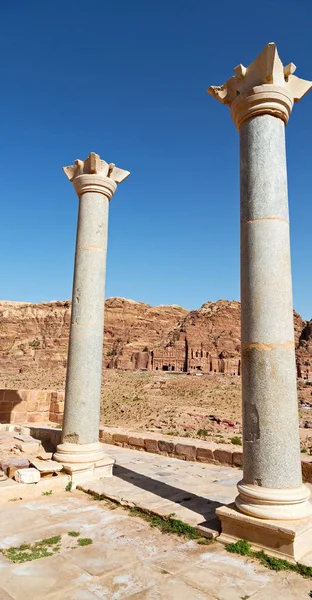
29, 447
120, 438
166, 447
151, 445
46, 466
14, 463
106, 437
21, 407
35, 417
289, 540
223, 456
185, 451
204, 454
237, 458
27, 475
136, 441
17, 417
32, 405
306, 467
59, 407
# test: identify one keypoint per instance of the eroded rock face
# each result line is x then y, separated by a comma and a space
137, 336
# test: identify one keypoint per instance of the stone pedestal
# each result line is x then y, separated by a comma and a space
261, 98
95, 182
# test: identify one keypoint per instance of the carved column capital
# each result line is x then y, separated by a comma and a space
95, 175
265, 87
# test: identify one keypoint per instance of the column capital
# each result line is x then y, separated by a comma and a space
265, 87
95, 175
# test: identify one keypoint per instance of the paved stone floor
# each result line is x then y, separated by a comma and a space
190, 490
128, 559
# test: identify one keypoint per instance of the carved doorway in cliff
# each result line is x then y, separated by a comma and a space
165, 368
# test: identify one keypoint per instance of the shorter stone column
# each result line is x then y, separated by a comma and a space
95, 182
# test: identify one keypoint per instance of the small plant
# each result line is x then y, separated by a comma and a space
202, 432
47, 493
236, 440
73, 533
68, 487
85, 542
27, 552
304, 451
34, 344
145, 349
243, 548
310, 594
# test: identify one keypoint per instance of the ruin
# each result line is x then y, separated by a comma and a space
272, 498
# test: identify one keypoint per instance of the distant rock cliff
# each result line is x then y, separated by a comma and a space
137, 336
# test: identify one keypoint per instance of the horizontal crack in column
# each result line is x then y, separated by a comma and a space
259, 346
266, 219
98, 248
85, 324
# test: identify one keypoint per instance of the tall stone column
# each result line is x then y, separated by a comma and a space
95, 182
261, 98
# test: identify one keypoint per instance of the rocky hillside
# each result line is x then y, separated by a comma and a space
35, 336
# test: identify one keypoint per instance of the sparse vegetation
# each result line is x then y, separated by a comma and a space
47, 493
202, 432
73, 533
237, 441
243, 548
27, 552
68, 487
85, 542
145, 349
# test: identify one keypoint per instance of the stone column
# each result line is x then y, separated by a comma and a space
95, 182
261, 98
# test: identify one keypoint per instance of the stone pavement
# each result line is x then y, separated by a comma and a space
191, 491
127, 560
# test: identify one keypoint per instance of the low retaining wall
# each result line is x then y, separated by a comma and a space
186, 448
31, 406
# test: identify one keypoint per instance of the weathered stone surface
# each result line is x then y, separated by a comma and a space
166, 447
27, 475
151, 445
204, 454
17, 463
186, 451
223, 455
35, 336
136, 442
46, 466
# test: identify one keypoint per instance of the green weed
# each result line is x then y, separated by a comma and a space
84, 542
47, 493
68, 487
243, 548
236, 441
73, 533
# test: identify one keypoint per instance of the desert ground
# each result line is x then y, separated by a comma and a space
175, 404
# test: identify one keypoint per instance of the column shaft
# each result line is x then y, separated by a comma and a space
270, 409
83, 382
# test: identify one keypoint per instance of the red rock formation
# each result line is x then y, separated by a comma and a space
137, 336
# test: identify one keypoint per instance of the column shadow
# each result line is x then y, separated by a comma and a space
202, 506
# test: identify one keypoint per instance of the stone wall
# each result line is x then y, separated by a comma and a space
31, 406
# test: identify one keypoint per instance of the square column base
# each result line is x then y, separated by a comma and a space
290, 540
82, 473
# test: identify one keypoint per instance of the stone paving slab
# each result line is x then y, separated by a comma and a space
165, 486
127, 560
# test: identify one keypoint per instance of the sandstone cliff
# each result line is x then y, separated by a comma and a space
35, 336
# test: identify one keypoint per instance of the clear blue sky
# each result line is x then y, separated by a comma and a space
128, 80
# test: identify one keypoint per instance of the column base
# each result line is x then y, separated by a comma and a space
290, 540
271, 503
84, 462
